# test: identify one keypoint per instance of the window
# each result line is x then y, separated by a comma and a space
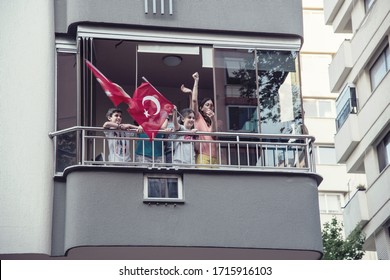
319, 108
249, 78
242, 118
163, 188
368, 4
325, 155
330, 203
346, 104
383, 150
380, 68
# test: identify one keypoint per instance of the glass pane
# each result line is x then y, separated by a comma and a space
310, 107
322, 203
368, 4
377, 72
383, 151
334, 204
325, 109
326, 155
279, 92
235, 78
387, 145
242, 118
66, 90
172, 188
156, 187
66, 152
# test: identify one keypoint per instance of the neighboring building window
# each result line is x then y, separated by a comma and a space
383, 150
368, 4
319, 108
163, 188
325, 155
380, 68
242, 118
346, 104
330, 203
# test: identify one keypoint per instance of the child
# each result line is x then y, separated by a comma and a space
150, 151
184, 151
119, 150
205, 122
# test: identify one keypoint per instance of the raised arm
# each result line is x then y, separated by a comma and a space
175, 120
193, 94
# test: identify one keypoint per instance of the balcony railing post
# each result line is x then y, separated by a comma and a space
83, 144
238, 151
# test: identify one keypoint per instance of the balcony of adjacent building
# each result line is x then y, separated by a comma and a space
338, 14
347, 136
259, 200
341, 66
368, 209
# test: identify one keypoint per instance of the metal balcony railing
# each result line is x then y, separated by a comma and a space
82, 146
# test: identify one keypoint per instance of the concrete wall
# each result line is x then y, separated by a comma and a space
26, 111
271, 211
259, 16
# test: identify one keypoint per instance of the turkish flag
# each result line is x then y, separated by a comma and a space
116, 94
149, 108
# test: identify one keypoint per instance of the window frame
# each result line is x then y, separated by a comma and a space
316, 103
247, 107
180, 190
383, 154
318, 157
326, 196
368, 4
383, 56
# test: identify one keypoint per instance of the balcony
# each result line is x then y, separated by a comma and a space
356, 212
347, 138
331, 9
341, 66
259, 201
338, 13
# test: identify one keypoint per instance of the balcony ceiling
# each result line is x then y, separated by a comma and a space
117, 60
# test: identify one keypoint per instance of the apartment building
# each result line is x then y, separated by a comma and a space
320, 44
359, 74
62, 197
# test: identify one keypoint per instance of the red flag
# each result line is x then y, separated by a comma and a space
116, 94
149, 108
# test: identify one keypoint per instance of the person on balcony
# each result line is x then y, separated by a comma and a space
119, 149
150, 151
184, 152
204, 122
168, 152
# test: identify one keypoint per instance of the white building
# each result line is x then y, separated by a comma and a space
359, 74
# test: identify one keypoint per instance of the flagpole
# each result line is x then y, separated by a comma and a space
143, 78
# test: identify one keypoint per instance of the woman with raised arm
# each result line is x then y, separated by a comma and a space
204, 122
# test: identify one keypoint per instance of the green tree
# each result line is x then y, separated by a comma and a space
338, 248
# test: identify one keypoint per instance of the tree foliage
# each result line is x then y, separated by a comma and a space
338, 248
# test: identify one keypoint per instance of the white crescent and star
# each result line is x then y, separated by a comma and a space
155, 101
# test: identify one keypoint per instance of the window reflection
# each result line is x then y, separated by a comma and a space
270, 103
